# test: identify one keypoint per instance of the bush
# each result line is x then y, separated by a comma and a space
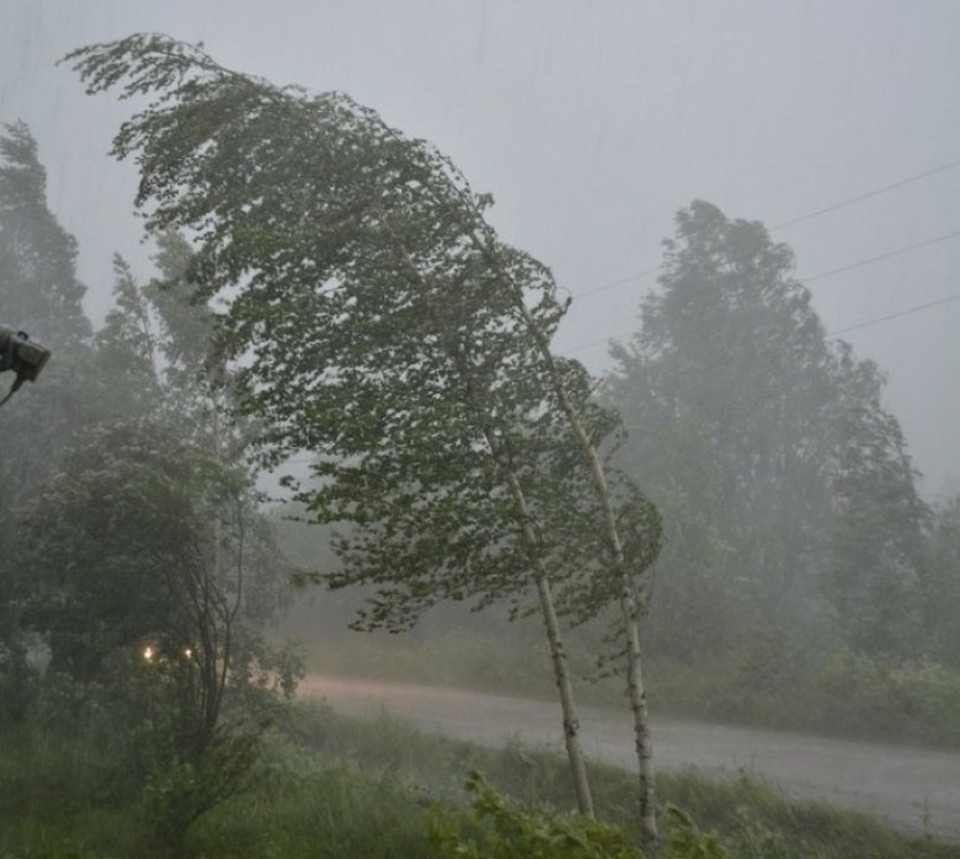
512, 834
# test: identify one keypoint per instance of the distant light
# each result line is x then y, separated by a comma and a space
188, 652
149, 653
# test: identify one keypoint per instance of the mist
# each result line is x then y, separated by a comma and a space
591, 130
446, 401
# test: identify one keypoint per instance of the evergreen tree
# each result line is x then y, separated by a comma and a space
941, 585
784, 481
38, 284
874, 570
40, 294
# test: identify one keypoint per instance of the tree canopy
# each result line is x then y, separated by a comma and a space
378, 322
783, 476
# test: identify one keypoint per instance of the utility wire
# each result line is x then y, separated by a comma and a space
887, 255
809, 216
875, 193
613, 283
870, 322
830, 273
866, 324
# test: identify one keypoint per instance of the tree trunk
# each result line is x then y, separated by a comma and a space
629, 609
641, 724
571, 720
561, 673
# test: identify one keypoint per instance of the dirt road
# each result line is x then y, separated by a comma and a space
915, 789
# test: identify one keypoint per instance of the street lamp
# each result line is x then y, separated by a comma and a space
25, 357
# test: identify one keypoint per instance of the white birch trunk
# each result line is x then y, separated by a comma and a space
571, 719
558, 655
629, 609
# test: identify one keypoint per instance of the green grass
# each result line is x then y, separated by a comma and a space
753, 818
332, 786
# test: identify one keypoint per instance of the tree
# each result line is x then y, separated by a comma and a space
731, 361
784, 481
121, 556
875, 565
382, 324
37, 256
125, 350
941, 586
39, 293
149, 574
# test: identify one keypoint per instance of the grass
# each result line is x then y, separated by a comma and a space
753, 818
332, 786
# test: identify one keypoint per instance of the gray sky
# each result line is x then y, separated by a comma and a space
592, 123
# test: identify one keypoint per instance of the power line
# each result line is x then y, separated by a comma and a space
809, 216
875, 193
866, 324
887, 255
824, 274
876, 321
622, 280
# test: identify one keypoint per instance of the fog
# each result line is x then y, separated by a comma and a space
592, 126
725, 195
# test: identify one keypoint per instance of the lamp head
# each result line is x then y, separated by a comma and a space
19, 353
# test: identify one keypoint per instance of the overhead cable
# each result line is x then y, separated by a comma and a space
809, 216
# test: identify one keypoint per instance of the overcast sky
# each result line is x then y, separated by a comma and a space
592, 123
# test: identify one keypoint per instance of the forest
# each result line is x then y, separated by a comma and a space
727, 526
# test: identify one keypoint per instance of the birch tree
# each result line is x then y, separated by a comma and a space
380, 323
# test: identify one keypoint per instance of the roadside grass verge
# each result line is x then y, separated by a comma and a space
752, 818
329, 785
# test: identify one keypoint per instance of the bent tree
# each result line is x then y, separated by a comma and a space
379, 322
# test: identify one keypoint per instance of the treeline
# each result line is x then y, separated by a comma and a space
376, 321
797, 545
137, 574
369, 316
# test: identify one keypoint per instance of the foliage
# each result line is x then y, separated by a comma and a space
370, 301
516, 835
785, 483
873, 573
125, 351
147, 574
941, 585
182, 790
686, 841
333, 786
37, 256
376, 319
40, 294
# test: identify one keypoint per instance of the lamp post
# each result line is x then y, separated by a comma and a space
25, 357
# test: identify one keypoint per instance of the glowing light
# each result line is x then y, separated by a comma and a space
188, 652
149, 653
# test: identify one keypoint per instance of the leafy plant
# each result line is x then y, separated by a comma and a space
513, 834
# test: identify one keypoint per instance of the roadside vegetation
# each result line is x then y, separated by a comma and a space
326, 785
842, 694
342, 298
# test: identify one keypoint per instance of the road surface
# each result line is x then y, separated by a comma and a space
917, 790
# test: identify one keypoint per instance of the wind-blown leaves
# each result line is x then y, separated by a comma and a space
378, 321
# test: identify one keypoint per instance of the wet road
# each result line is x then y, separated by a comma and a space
915, 789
